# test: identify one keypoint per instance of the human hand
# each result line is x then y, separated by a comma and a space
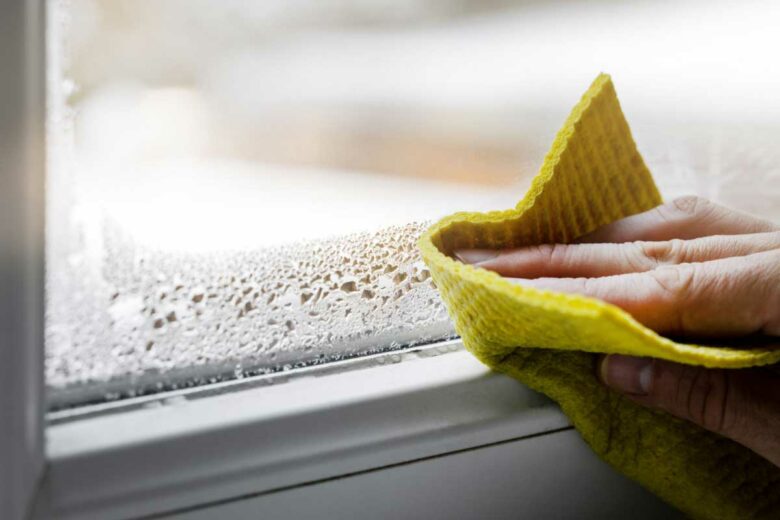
686, 268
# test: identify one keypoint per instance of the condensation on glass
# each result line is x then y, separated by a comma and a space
236, 188
202, 226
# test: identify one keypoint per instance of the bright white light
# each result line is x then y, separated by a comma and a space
218, 205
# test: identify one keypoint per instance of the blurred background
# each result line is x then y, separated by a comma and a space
201, 126
415, 96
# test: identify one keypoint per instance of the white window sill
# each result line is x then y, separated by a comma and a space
199, 451
196, 451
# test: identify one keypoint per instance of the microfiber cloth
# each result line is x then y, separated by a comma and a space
594, 175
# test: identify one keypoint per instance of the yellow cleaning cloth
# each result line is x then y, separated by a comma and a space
594, 175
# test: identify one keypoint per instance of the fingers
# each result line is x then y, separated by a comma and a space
743, 405
684, 218
730, 296
591, 260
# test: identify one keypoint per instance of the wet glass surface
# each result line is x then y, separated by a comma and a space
237, 188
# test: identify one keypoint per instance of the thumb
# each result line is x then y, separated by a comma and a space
743, 405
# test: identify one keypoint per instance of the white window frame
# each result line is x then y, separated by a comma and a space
259, 436
212, 445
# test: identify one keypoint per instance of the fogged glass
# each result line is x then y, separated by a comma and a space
237, 187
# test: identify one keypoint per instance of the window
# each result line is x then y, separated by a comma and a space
235, 189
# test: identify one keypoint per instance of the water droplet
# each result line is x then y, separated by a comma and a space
349, 287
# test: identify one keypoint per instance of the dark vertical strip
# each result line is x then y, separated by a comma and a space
22, 159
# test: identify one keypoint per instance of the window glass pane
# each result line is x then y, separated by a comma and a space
237, 187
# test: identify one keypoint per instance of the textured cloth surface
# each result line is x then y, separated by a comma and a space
594, 175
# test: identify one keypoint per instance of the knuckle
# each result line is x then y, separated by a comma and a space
544, 251
682, 383
683, 380
675, 281
589, 287
552, 254
557, 253
691, 205
705, 400
668, 252
676, 251
730, 417
636, 257
708, 399
702, 396
675, 284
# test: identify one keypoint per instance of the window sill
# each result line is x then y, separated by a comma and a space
182, 452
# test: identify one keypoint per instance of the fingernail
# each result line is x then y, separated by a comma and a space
475, 256
627, 374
